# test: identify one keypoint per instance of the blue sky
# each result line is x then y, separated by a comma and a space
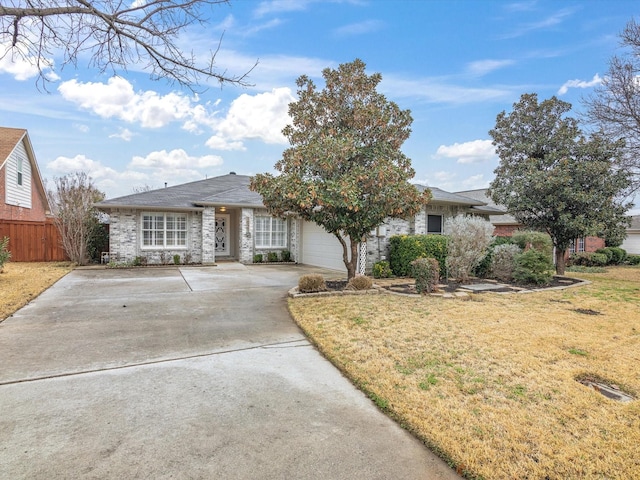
454, 64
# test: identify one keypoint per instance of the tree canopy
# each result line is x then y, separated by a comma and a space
344, 170
554, 179
111, 35
614, 106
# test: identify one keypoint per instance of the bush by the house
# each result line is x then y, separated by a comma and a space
483, 269
469, 237
272, 256
426, 271
632, 259
257, 258
403, 249
285, 255
589, 259
503, 261
5, 254
311, 283
533, 266
176, 259
531, 239
381, 269
360, 282
615, 255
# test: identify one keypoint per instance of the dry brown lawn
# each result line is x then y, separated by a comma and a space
22, 282
490, 383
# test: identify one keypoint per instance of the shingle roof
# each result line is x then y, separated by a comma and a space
9, 138
497, 219
227, 190
441, 196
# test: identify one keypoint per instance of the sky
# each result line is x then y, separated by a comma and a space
455, 64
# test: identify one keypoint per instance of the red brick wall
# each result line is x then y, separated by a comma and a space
504, 230
10, 212
591, 244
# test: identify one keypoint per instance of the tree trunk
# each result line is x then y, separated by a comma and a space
350, 263
560, 260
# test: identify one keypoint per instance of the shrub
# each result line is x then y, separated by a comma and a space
403, 249
503, 261
5, 254
531, 239
312, 282
176, 259
272, 257
360, 282
633, 260
483, 269
606, 251
257, 258
581, 269
381, 269
426, 271
469, 239
533, 266
285, 255
619, 254
137, 262
589, 259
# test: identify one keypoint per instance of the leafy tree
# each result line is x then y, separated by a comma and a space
112, 34
614, 107
344, 170
73, 200
552, 178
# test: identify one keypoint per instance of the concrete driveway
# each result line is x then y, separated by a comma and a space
185, 373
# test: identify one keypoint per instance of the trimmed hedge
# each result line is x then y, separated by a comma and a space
404, 249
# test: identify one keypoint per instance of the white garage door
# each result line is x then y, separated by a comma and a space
632, 243
321, 249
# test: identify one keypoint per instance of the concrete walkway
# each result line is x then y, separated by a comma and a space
185, 373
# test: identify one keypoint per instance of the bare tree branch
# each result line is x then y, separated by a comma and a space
114, 35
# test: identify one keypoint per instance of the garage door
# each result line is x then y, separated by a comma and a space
632, 243
321, 249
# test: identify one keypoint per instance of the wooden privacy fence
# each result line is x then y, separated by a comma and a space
33, 241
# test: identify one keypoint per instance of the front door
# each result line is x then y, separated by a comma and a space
222, 235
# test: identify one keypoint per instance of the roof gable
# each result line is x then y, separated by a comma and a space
9, 139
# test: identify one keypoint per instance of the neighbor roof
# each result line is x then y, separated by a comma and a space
440, 196
495, 218
9, 138
227, 190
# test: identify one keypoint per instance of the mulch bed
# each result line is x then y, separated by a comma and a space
407, 285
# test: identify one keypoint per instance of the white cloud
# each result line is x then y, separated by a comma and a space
117, 99
482, 67
596, 80
277, 6
475, 151
81, 127
124, 134
439, 91
360, 28
12, 62
261, 116
176, 159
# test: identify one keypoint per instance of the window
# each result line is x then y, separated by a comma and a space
434, 224
270, 232
577, 247
19, 171
164, 230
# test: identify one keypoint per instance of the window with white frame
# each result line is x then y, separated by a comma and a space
434, 224
270, 232
164, 230
577, 246
19, 170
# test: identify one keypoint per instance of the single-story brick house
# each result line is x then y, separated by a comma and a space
219, 218
505, 224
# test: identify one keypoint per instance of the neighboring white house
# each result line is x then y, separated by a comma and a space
632, 243
220, 218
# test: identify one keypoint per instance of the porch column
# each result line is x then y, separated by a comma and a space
245, 254
209, 235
